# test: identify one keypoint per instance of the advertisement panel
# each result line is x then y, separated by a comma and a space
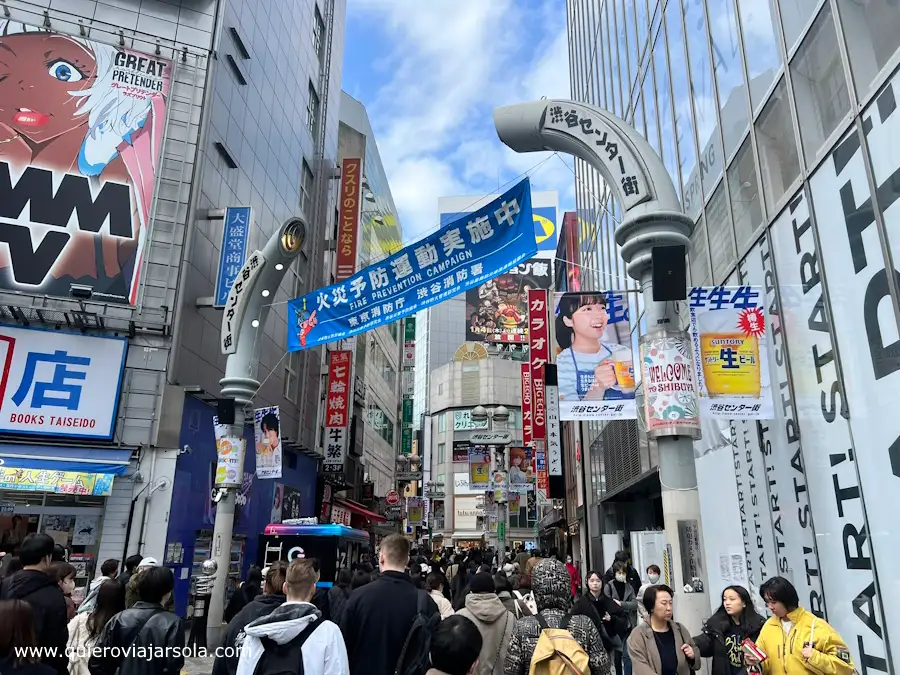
266, 428
521, 469
728, 331
415, 511
59, 384
81, 144
539, 356
459, 256
229, 456
479, 468
497, 311
779, 443
527, 419
233, 250
348, 226
338, 411
670, 395
845, 554
554, 431
460, 451
594, 360
462, 421
60, 482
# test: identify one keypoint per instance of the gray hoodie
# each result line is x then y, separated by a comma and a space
495, 623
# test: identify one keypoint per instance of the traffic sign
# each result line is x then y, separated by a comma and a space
392, 498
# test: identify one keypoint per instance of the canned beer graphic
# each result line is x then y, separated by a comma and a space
624, 367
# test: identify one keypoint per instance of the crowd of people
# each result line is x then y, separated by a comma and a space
465, 613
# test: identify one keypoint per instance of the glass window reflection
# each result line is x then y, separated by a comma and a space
652, 134
667, 131
641, 26
622, 38
729, 73
872, 31
699, 256
720, 234
763, 53
777, 146
744, 190
681, 95
795, 14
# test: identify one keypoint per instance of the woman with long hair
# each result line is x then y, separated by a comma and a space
64, 574
360, 578
18, 642
243, 595
338, 594
608, 617
735, 620
86, 627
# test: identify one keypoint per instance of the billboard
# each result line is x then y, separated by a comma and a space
338, 411
348, 227
80, 137
543, 215
497, 311
267, 435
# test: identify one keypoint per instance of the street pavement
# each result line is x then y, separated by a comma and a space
197, 665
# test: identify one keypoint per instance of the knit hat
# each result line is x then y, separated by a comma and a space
482, 582
551, 585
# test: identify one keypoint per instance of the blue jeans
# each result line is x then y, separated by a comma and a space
626, 659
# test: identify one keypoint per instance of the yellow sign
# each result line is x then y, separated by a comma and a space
730, 364
61, 482
480, 473
544, 225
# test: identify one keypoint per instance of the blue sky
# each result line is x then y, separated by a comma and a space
430, 73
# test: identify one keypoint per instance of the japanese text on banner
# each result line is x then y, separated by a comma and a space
233, 252
539, 355
345, 264
337, 405
527, 428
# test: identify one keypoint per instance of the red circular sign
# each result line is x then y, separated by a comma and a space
392, 498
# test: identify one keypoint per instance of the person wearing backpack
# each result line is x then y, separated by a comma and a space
294, 639
621, 592
494, 622
545, 644
387, 624
661, 646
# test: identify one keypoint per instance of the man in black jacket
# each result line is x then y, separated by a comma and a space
131, 563
378, 616
155, 635
632, 574
33, 585
262, 605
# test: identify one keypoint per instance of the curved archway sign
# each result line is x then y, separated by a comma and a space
652, 213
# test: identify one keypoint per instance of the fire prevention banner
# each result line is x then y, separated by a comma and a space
497, 311
81, 129
337, 415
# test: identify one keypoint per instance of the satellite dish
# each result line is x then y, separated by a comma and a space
470, 351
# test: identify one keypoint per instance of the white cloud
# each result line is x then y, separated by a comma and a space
446, 66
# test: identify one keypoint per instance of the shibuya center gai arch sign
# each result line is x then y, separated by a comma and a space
461, 255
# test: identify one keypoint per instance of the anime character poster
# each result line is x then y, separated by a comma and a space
81, 126
521, 468
497, 311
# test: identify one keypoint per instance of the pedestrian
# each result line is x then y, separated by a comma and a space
35, 586
622, 593
531, 563
505, 593
131, 563
550, 584
462, 580
131, 590
86, 627
338, 594
64, 575
653, 574
609, 618
522, 558
244, 593
360, 578
434, 584
574, 575
380, 616
18, 641
795, 640
264, 604
662, 646
415, 573
725, 630
147, 627
455, 647
320, 597
294, 634
493, 620
631, 574
107, 572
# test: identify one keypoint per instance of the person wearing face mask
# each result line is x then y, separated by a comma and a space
64, 575
574, 575
653, 574
608, 617
724, 631
622, 593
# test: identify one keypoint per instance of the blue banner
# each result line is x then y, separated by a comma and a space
233, 251
459, 256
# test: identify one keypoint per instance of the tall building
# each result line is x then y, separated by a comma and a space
377, 355
777, 122
111, 327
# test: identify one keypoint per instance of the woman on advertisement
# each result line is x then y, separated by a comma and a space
589, 368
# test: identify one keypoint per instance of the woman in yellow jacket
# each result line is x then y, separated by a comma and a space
794, 640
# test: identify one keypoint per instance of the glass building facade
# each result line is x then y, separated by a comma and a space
777, 122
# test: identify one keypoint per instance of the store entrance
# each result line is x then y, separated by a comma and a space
73, 521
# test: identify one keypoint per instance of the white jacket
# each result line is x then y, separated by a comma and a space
324, 652
79, 645
443, 604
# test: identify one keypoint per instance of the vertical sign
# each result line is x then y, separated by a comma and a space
409, 362
527, 428
267, 433
551, 418
539, 355
345, 266
337, 412
233, 251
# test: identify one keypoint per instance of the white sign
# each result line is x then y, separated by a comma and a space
461, 485
237, 301
59, 384
408, 382
554, 443
86, 531
490, 438
340, 515
266, 427
462, 421
466, 513
336, 439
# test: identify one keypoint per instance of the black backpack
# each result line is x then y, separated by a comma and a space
286, 659
414, 657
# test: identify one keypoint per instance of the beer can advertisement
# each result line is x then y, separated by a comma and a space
479, 468
730, 344
81, 129
497, 311
594, 357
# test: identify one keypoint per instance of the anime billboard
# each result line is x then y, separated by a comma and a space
81, 125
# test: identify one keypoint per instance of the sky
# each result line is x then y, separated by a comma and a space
430, 74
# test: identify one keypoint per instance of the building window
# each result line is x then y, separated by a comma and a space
291, 376
319, 33
744, 191
777, 146
441, 449
872, 32
389, 375
379, 421
762, 52
719, 232
306, 188
312, 111
699, 256
442, 423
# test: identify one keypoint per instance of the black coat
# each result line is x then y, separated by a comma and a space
711, 642
613, 631
150, 630
376, 620
337, 598
8, 666
261, 605
49, 604
632, 577
241, 598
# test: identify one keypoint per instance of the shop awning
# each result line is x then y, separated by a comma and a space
113, 461
360, 510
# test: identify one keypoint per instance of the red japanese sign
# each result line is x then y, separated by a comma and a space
527, 436
539, 355
349, 222
338, 400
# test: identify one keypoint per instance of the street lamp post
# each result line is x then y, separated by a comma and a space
243, 322
498, 414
